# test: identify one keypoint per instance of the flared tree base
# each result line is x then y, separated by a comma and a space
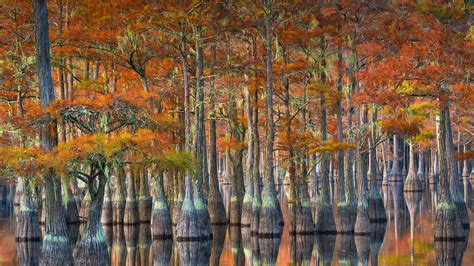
324, 222
376, 208
204, 223
342, 219
270, 224
107, 213
246, 219
362, 225
130, 216
176, 212
144, 210
118, 211
235, 212
300, 220
447, 226
188, 227
27, 227
92, 250
56, 251
216, 211
161, 226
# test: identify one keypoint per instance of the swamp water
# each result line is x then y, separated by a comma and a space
403, 240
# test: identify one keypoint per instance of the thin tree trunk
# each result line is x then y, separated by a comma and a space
324, 218
271, 219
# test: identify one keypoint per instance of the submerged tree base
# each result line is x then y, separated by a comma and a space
342, 219
107, 214
188, 228
447, 226
376, 208
118, 211
27, 227
235, 213
130, 216
176, 212
56, 251
144, 210
270, 223
246, 219
216, 210
362, 225
92, 249
161, 228
324, 219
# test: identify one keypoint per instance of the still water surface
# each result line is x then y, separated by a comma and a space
407, 239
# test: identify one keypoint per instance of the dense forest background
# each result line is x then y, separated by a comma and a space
128, 112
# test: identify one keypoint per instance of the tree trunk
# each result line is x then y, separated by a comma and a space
447, 225
454, 175
187, 227
236, 156
246, 220
375, 201
396, 175
27, 223
200, 204
56, 249
107, 210
144, 198
362, 224
256, 200
271, 219
412, 182
324, 218
130, 216
92, 249
119, 196
341, 215
72, 214
161, 225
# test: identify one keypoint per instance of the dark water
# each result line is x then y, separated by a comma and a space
407, 239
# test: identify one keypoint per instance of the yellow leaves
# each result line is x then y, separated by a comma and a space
331, 146
421, 108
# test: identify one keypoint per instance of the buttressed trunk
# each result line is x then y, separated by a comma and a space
271, 219
454, 175
447, 226
56, 249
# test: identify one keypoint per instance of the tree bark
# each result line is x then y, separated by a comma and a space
56, 249
271, 219
92, 249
